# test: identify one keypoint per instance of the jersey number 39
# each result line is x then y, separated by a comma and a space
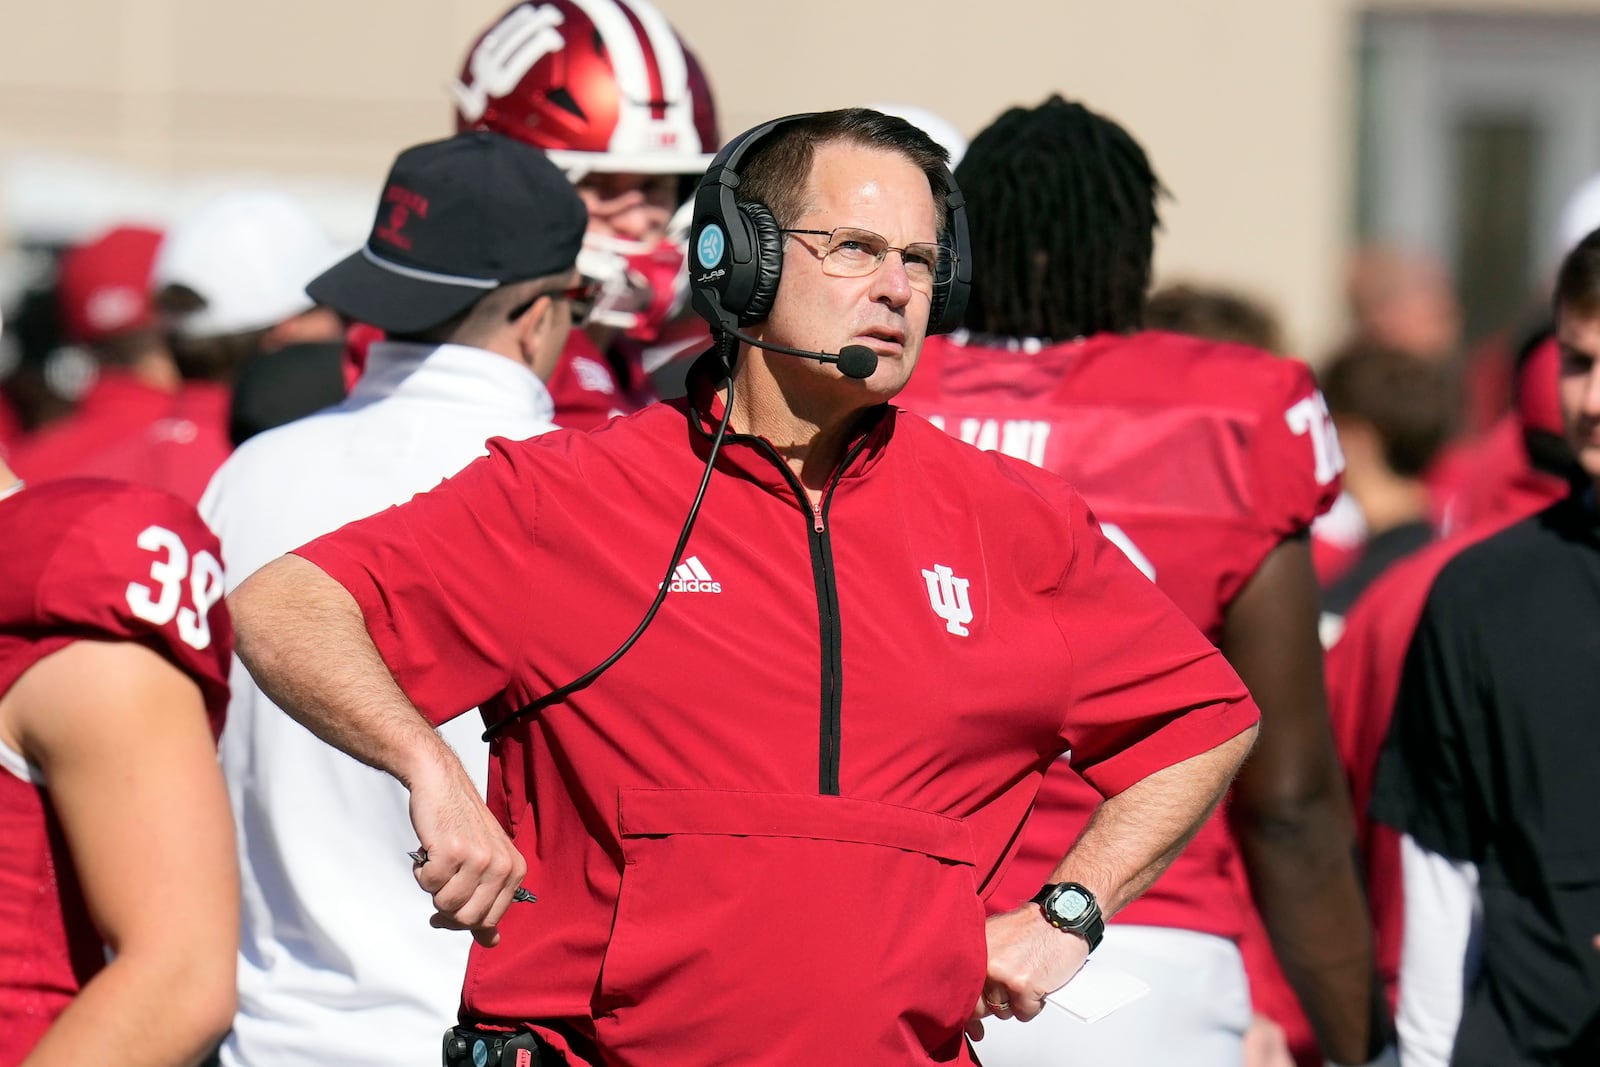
162, 601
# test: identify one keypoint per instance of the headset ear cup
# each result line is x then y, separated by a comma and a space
948, 309
768, 265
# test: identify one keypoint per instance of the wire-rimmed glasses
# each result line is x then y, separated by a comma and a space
854, 253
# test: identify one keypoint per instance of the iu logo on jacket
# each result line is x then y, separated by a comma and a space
948, 596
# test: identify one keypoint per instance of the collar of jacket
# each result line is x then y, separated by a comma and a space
755, 458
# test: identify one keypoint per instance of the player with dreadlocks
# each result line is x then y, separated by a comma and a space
1086, 198
1206, 462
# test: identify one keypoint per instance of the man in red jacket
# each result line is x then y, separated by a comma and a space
765, 834
1206, 463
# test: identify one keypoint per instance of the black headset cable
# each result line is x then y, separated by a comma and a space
583, 681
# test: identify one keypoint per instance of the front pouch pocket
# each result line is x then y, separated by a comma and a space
759, 928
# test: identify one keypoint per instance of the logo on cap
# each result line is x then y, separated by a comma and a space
113, 308
403, 203
709, 249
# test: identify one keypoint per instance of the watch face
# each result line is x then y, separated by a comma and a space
1070, 905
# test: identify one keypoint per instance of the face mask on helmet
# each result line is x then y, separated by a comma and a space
643, 286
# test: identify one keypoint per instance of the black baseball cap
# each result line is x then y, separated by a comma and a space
458, 219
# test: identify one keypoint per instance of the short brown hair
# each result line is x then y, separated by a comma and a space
1410, 402
777, 173
1218, 314
212, 359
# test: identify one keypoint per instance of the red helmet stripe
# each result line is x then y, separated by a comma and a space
668, 51
635, 69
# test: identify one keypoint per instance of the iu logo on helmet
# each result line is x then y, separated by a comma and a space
505, 56
948, 596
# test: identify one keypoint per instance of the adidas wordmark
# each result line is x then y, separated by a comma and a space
692, 577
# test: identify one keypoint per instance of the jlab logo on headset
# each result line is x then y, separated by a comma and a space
711, 245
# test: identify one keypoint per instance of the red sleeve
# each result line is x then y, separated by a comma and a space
139, 564
1298, 457
1147, 689
446, 578
1363, 671
1363, 674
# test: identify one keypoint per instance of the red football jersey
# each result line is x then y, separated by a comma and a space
1198, 458
117, 410
98, 561
178, 452
588, 391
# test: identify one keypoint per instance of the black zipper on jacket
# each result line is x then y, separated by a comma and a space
827, 612
831, 640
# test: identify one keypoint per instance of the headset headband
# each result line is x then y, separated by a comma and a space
736, 249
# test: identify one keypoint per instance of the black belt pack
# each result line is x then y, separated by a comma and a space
466, 1046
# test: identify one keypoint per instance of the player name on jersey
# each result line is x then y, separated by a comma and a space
1024, 439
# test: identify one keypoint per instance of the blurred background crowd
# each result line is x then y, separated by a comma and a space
1381, 189
1394, 170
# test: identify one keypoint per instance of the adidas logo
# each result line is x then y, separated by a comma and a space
692, 577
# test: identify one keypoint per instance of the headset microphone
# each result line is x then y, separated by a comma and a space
854, 361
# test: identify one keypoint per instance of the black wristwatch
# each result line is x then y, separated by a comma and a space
1071, 907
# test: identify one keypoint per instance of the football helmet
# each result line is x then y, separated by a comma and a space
598, 85
601, 86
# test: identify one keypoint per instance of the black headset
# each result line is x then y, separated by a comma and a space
736, 251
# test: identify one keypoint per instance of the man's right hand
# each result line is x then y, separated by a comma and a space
305, 641
1028, 958
471, 866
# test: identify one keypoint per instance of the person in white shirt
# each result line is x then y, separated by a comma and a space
470, 271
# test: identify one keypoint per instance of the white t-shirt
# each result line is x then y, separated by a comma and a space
337, 962
1440, 952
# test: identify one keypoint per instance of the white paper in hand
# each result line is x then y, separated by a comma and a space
1096, 991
